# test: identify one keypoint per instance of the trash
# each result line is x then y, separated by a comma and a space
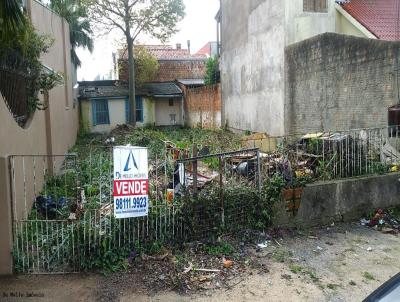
364, 222
154, 258
383, 222
263, 245
318, 249
227, 263
170, 195
110, 140
48, 205
369, 249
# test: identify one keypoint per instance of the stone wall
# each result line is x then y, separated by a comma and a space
203, 107
338, 82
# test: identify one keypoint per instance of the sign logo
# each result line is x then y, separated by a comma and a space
131, 187
129, 161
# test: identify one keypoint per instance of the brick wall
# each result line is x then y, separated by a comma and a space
203, 106
170, 70
338, 82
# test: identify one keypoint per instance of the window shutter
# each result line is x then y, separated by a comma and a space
94, 121
127, 111
107, 112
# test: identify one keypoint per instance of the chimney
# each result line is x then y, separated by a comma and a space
188, 45
178, 46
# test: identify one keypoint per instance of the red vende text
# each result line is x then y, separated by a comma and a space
131, 187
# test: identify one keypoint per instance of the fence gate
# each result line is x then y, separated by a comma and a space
44, 238
63, 218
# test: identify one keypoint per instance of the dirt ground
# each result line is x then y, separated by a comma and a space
345, 262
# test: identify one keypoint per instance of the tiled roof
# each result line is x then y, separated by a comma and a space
205, 50
167, 52
380, 17
98, 89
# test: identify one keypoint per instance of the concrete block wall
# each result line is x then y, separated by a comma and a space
339, 82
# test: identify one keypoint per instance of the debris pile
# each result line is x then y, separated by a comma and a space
382, 221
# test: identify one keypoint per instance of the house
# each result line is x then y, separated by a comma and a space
209, 50
295, 66
105, 104
175, 63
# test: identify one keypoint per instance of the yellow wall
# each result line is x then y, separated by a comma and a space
347, 25
116, 109
163, 111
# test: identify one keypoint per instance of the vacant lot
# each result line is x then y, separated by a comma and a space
339, 263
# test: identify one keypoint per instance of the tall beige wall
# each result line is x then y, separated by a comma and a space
63, 121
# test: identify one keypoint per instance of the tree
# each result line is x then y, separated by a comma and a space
156, 18
212, 72
12, 19
146, 65
79, 26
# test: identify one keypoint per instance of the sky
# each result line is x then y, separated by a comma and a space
198, 26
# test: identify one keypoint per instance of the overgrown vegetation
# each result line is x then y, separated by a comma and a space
212, 71
20, 53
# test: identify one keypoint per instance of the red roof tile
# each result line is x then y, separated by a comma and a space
380, 17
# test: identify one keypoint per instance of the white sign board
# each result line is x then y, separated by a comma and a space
131, 182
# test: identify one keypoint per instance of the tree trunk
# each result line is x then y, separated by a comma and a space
132, 95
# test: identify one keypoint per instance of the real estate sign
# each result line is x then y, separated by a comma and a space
131, 182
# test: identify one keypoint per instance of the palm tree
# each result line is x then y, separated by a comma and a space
80, 31
12, 19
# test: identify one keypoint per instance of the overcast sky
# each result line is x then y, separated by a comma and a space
199, 26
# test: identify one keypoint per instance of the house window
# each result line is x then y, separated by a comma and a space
139, 110
101, 115
315, 6
171, 102
394, 121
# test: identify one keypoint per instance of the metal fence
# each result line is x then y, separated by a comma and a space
331, 155
63, 204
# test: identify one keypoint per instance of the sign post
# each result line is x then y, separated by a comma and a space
131, 182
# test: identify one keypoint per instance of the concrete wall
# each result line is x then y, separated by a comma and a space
203, 107
338, 82
345, 200
163, 111
303, 25
61, 118
252, 65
